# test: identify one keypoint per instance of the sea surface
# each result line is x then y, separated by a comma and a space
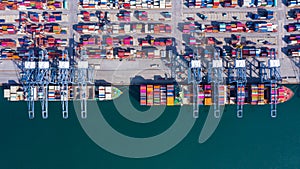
256, 141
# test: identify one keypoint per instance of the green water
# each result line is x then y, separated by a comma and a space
256, 141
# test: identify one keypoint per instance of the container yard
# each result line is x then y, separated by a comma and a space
29, 5
127, 4
228, 3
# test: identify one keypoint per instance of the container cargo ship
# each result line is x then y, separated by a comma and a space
100, 93
253, 94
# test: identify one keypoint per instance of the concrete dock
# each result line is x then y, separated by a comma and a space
120, 72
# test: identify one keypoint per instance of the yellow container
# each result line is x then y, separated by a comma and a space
207, 101
170, 101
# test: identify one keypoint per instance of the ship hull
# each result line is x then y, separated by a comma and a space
206, 95
16, 93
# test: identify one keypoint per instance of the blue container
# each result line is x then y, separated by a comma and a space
3, 56
58, 18
263, 30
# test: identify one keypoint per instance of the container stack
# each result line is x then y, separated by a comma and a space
27, 4
241, 95
292, 27
34, 17
227, 3
142, 15
234, 3
209, 4
281, 96
200, 95
216, 4
54, 4
168, 4
10, 54
261, 94
222, 27
88, 40
273, 94
101, 90
269, 3
192, 40
93, 52
90, 4
163, 95
86, 16
51, 93
128, 41
7, 43
135, 4
13, 93
222, 94
186, 29
293, 3
124, 16
294, 52
231, 93
170, 95
149, 95
254, 94
103, 4
248, 3
270, 14
156, 94
143, 96
87, 29
207, 95
7, 29
57, 92
294, 39
108, 90
156, 42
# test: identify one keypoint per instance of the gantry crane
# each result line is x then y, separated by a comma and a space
215, 76
84, 76
272, 77
240, 78
63, 81
195, 77
28, 77
42, 81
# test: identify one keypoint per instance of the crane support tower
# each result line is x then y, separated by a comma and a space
63, 81
28, 76
85, 75
42, 81
215, 76
195, 77
275, 77
240, 78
